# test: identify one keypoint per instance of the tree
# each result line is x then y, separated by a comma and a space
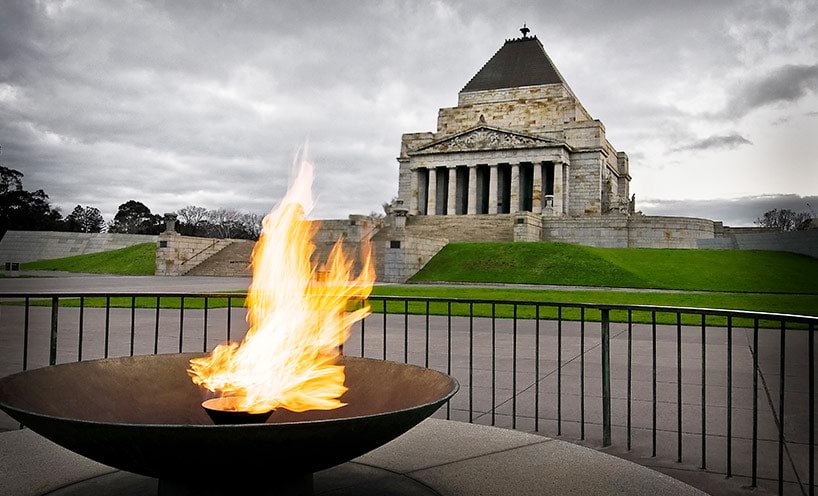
193, 221
87, 220
134, 217
10, 180
251, 225
24, 210
224, 222
192, 214
784, 220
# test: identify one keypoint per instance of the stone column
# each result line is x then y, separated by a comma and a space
413, 193
451, 205
492, 188
558, 189
431, 196
536, 190
472, 200
515, 189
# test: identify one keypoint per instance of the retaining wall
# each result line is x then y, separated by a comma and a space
28, 246
803, 242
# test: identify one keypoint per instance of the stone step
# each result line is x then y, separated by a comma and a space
232, 261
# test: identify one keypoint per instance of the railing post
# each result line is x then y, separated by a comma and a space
606, 377
55, 310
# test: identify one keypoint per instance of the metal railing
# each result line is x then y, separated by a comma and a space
529, 337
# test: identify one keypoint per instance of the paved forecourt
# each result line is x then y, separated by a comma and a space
436, 457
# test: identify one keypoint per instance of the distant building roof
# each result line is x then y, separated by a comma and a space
519, 62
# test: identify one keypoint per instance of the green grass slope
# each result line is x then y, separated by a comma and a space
564, 264
137, 260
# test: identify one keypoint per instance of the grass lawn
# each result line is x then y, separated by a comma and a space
137, 260
572, 265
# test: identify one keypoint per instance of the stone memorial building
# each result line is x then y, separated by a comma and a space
519, 140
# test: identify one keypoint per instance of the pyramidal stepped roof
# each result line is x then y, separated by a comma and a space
519, 62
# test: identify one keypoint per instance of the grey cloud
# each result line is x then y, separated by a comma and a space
173, 103
732, 211
718, 141
786, 84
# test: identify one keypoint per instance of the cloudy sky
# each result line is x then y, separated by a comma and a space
195, 102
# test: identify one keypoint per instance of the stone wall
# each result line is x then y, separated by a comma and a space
524, 109
496, 227
803, 242
667, 232
177, 255
356, 232
400, 254
585, 183
619, 231
28, 246
527, 227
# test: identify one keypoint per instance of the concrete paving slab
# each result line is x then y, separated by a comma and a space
437, 442
549, 468
31, 465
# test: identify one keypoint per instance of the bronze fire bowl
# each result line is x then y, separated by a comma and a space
144, 415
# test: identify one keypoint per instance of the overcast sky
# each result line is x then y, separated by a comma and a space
176, 103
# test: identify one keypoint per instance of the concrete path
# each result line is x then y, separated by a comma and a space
63, 282
435, 458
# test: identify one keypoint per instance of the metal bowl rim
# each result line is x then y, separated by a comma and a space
452, 381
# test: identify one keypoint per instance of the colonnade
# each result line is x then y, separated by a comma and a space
489, 189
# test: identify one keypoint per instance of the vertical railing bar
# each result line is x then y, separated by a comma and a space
679, 387
55, 310
811, 345
754, 480
133, 323
781, 386
630, 373
427, 335
229, 315
582, 373
605, 339
405, 331
653, 346
493, 363
181, 323
471, 362
107, 323
704, 392
514, 370
205, 311
81, 329
25, 334
363, 333
385, 302
536, 368
449, 352
156, 327
729, 396
559, 370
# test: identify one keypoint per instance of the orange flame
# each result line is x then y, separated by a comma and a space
287, 359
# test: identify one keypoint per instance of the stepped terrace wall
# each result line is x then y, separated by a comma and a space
28, 246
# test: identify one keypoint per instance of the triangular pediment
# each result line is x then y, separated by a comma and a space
483, 138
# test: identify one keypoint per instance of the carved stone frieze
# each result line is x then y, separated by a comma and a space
484, 138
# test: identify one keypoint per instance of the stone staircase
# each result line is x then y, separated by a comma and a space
231, 261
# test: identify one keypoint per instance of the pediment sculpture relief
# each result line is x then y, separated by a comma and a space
484, 139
